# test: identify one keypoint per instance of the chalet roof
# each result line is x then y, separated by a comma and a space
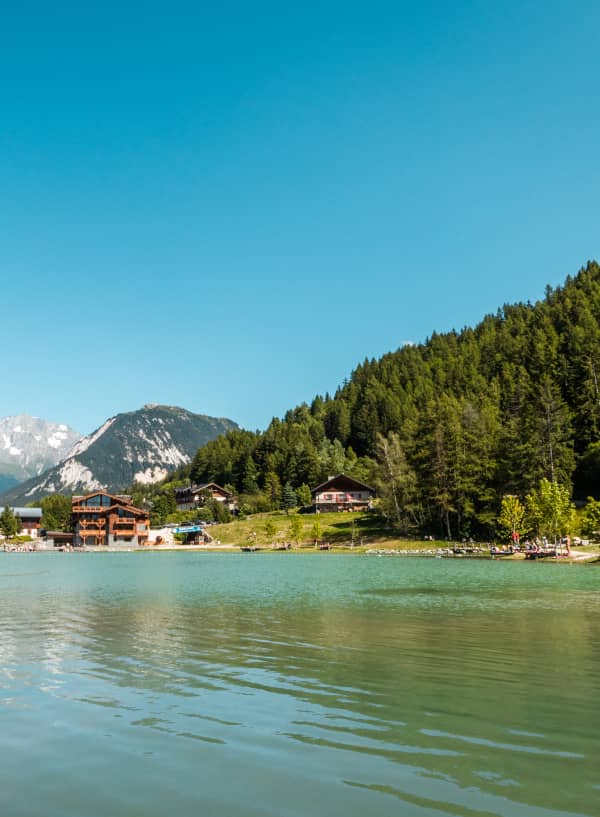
28, 513
192, 489
117, 501
101, 492
342, 482
132, 508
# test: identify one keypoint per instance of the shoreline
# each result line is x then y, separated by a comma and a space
477, 553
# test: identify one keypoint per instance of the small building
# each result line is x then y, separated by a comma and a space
30, 519
193, 534
342, 493
58, 538
194, 496
104, 519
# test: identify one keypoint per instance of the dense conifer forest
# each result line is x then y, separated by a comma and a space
446, 428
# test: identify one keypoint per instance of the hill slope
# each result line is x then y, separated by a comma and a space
137, 446
453, 423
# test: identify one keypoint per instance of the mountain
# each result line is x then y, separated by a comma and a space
30, 445
137, 446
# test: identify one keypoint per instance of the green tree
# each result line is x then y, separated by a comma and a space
9, 524
587, 473
396, 483
289, 499
270, 530
316, 531
273, 490
219, 511
162, 506
249, 482
56, 512
590, 520
296, 529
304, 495
512, 514
550, 510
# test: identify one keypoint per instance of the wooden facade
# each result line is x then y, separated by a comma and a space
342, 493
102, 519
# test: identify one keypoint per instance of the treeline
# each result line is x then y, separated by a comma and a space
444, 429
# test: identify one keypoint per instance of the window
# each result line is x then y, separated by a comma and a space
98, 501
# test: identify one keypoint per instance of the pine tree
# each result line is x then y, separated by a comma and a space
249, 481
289, 499
273, 490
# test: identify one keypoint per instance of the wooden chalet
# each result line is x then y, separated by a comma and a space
342, 493
194, 496
104, 519
30, 520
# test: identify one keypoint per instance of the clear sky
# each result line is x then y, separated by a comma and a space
227, 206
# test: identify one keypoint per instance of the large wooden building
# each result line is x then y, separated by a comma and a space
103, 519
342, 493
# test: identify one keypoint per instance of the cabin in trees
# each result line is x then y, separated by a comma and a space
194, 496
30, 520
106, 519
342, 493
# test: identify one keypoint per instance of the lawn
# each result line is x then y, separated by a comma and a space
347, 530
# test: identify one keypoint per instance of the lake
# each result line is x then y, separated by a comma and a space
291, 684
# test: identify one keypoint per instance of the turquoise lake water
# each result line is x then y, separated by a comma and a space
293, 685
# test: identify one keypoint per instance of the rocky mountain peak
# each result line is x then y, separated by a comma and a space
31, 445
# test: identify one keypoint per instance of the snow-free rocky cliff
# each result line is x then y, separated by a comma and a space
30, 445
138, 446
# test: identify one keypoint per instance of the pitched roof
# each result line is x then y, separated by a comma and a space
122, 501
194, 488
343, 482
102, 492
28, 513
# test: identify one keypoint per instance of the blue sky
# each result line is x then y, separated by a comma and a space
228, 206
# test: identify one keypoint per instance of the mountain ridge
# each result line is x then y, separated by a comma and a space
30, 445
137, 446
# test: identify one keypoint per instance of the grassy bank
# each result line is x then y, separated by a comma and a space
339, 530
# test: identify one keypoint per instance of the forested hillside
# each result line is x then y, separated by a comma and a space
449, 426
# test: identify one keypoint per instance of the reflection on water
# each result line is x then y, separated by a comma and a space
297, 685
